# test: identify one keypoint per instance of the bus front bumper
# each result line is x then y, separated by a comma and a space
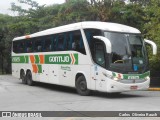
115, 86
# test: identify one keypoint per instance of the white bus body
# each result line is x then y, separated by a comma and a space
100, 56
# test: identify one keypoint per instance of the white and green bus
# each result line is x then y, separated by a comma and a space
99, 56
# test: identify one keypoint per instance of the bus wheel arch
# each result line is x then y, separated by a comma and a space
81, 85
29, 80
23, 76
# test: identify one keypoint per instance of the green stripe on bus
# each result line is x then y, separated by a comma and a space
26, 59
76, 58
49, 59
133, 76
18, 59
36, 58
138, 76
39, 68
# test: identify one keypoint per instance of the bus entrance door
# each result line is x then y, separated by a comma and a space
99, 58
99, 78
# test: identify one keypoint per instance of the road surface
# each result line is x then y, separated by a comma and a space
15, 96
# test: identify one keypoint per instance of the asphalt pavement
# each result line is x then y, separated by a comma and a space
15, 96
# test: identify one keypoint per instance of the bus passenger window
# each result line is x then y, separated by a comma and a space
15, 46
89, 35
22, 47
29, 46
48, 44
77, 43
38, 45
67, 42
60, 42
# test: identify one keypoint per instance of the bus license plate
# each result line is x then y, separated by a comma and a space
134, 87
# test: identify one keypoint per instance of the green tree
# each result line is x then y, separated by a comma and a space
4, 43
152, 29
72, 11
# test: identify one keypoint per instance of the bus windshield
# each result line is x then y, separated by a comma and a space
128, 52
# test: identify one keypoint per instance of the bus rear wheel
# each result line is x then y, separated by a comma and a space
23, 77
30, 82
81, 86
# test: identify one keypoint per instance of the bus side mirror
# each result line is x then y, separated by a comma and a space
106, 41
154, 46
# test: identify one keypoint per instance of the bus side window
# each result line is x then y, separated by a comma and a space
29, 45
19, 46
38, 45
15, 46
89, 35
77, 43
60, 46
48, 44
22, 47
66, 41
70, 40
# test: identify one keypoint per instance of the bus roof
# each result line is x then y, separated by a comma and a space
106, 26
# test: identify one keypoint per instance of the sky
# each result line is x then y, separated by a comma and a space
6, 4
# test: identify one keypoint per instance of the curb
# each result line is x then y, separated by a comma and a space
154, 89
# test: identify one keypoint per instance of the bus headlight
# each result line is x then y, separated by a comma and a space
147, 78
116, 78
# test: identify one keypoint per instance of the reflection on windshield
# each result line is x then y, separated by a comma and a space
127, 50
136, 49
119, 47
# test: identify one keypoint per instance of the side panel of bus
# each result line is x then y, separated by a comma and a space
57, 73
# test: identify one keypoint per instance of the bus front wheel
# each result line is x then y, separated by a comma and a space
30, 82
81, 86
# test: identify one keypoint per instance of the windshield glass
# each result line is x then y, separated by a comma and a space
128, 51
137, 51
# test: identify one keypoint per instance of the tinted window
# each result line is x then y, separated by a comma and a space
22, 47
29, 46
77, 42
89, 35
58, 42
38, 45
100, 54
48, 44
60, 45
15, 46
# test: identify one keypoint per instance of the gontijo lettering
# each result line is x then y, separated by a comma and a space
59, 59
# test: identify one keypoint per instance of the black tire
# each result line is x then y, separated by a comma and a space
23, 77
81, 86
30, 82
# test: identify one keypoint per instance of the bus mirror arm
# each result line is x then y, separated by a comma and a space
154, 46
106, 41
